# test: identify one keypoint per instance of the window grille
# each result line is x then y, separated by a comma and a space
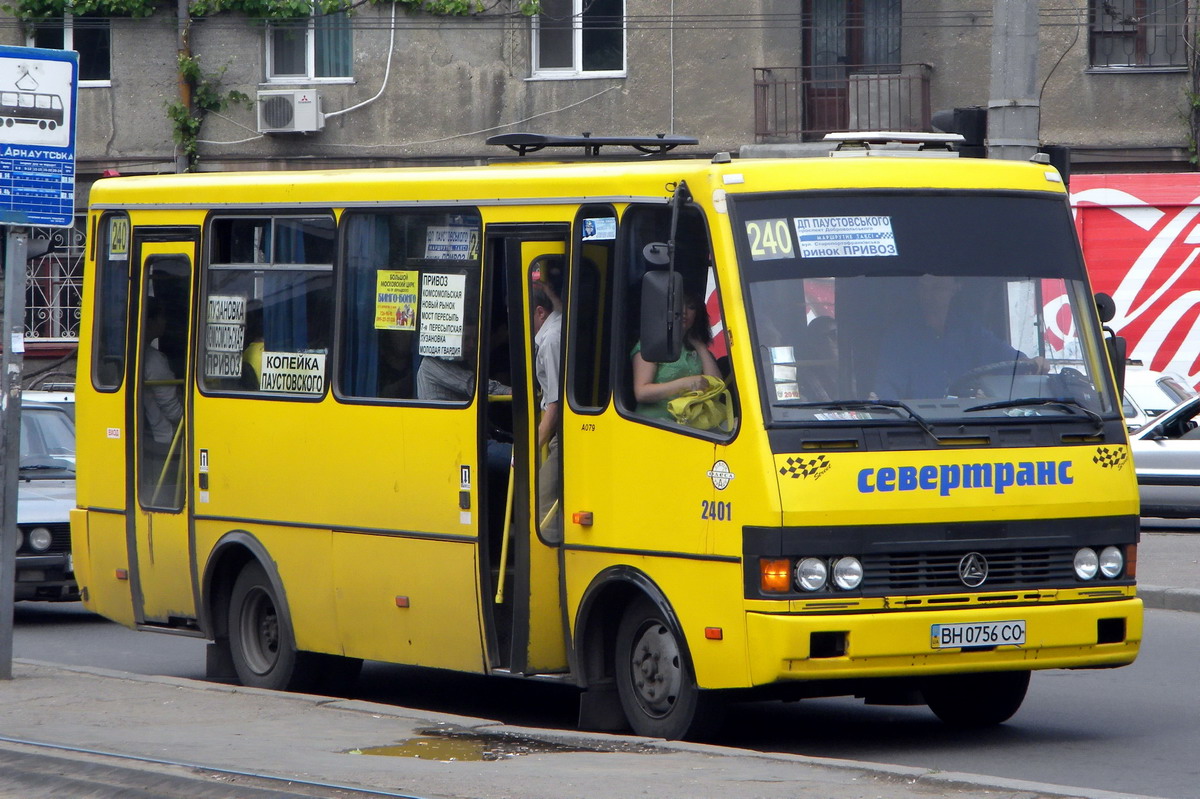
53, 282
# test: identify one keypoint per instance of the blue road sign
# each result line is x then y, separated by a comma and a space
38, 89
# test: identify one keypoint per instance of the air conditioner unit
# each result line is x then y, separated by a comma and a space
290, 111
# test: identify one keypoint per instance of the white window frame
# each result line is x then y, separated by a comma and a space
310, 59
68, 25
576, 70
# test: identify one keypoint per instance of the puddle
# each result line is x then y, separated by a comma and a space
460, 746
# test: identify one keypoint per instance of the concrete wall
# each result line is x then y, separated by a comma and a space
1098, 113
453, 82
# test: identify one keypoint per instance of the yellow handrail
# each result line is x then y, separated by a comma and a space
504, 534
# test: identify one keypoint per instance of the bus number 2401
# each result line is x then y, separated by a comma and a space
717, 511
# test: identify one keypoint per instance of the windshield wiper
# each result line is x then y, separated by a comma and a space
48, 464
866, 405
1066, 403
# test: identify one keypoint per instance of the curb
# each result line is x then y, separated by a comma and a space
940, 781
1158, 598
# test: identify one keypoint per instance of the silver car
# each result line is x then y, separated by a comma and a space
45, 496
1166, 455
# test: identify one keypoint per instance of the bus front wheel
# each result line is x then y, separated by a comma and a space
261, 641
658, 692
976, 700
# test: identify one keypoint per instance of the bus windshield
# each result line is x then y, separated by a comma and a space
948, 305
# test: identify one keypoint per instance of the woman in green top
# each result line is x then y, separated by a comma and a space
654, 384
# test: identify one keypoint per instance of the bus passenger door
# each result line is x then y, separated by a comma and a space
157, 416
528, 622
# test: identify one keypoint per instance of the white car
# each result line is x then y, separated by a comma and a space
45, 496
1149, 394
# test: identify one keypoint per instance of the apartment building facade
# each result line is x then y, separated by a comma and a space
382, 85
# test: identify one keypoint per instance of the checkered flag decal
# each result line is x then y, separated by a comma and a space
806, 467
1111, 458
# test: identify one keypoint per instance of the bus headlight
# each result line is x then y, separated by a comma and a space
1111, 562
847, 573
1086, 563
811, 574
40, 539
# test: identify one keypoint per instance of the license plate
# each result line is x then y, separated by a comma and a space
988, 633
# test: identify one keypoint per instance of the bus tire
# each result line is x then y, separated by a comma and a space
658, 691
261, 641
976, 700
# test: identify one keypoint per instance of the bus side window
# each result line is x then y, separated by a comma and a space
590, 335
649, 387
112, 303
410, 312
267, 305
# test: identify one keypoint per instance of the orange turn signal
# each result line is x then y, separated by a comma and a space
775, 575
714, 633
1131, 561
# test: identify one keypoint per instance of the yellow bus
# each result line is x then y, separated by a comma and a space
309, 408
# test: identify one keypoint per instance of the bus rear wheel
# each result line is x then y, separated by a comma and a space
261, 641
658, 691
976, 700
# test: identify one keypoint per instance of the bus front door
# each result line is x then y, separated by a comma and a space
157, 414
529, 616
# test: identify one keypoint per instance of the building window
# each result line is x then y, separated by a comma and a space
310, 49
573, 38
1138, 33
90, 36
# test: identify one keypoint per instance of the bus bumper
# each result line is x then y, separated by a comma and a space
787, 647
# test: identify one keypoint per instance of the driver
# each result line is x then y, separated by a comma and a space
930, 354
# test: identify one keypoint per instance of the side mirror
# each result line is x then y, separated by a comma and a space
661, 330
1118, 348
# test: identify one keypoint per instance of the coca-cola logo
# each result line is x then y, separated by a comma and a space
1144, 256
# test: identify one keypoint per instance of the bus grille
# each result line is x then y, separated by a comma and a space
930, 571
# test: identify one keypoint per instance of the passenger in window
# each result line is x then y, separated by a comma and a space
396, 378
161, 400
655, 384
936, 353
818, 366
253, 351
547, 343
450, 380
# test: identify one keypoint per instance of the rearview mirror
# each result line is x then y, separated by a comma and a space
661, 328
1117, 347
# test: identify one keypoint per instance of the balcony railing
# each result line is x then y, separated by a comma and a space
793, 104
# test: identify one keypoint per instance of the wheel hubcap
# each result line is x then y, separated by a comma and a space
260, 632
656, 669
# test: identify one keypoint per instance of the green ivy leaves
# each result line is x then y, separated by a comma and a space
255, 9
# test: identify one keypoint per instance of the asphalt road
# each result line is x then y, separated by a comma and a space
1135, 729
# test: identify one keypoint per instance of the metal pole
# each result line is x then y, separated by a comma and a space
1014, 109
10, 434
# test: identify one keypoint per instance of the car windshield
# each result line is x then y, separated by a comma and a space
47, 440
962, 306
